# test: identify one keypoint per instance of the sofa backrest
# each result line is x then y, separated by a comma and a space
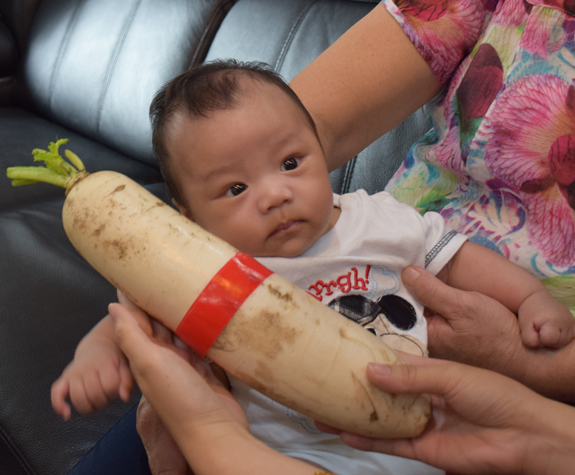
94, 65
288, 35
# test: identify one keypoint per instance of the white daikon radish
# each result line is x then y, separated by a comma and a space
252, 322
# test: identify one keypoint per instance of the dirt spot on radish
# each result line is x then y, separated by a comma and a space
82, 218
118, 188
265, 333
116, 248
265, 381
98, 231
363, 398
157, 204
276, 292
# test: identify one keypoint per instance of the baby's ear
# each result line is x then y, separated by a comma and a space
184, 211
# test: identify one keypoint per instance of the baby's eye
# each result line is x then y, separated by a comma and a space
236, 189
290, 164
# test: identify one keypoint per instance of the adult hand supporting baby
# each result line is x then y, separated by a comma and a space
149, 352
474, 329
204, 419
482, 422
164, 455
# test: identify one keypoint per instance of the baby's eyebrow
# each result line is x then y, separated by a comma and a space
222, 170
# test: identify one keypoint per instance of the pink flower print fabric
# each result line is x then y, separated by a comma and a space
499, 160
443, 31
532, 150
568, 6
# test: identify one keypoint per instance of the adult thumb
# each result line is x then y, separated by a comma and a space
129, 335
432, 292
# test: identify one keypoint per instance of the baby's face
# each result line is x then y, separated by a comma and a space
254, 175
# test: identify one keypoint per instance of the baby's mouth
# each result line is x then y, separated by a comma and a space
285, 227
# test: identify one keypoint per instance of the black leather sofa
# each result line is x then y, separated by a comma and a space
87, 70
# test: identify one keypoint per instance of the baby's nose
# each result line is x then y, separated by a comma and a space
275, 195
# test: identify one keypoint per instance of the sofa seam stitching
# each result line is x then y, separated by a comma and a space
222, 7
289, 39
112, 65
15, 451
347, 177
62, 51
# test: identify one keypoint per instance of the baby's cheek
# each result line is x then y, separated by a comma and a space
243, 236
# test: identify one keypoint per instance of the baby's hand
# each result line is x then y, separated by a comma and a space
545, 322
98, 373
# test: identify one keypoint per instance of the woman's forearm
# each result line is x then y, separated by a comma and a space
357, 90
235, 450
550, 441
549, 372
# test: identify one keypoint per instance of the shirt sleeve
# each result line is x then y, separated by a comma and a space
443, 32
441, 242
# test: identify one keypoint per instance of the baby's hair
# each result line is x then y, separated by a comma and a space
207, 88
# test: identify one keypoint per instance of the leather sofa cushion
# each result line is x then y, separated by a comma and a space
93, 66
8, 53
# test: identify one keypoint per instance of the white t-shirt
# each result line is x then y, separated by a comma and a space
355, 269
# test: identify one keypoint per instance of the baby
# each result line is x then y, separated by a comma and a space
242, 158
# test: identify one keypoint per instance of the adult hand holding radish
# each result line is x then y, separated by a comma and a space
482, 422
474, 329
164, 263
203, 417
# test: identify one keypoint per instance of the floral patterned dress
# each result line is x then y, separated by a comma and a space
499, 161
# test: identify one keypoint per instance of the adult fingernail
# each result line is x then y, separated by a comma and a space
112, 311
121, 297
410, 274
379, 369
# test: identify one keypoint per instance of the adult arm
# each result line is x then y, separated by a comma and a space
164, 455
482, 422
472, 328
370, 80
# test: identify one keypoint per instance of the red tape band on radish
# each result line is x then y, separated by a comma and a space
219, 301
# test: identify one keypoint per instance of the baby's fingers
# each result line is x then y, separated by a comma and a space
87, 393
111, 380
78, 397
59, 392
552, 336
126, 381
530, 335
